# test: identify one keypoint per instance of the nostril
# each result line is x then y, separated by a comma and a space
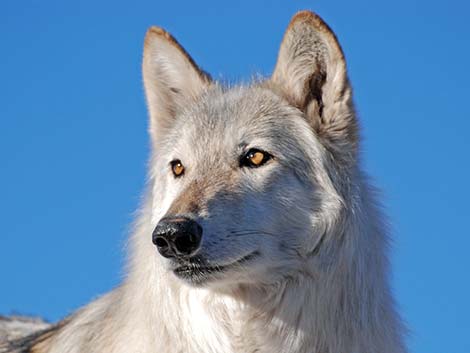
161, 242
184, 244
187, 243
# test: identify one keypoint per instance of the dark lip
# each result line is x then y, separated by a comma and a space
197, 271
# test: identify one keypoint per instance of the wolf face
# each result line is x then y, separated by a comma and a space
244, 178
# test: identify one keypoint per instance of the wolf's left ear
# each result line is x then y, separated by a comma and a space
171, 78
311, 74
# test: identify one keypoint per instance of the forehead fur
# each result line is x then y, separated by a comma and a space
242, 111
229, 119
220, 107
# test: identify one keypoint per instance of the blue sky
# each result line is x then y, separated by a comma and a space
73, 142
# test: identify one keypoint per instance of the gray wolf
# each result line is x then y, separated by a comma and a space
259, 232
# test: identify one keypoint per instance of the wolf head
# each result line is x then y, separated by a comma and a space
248, 181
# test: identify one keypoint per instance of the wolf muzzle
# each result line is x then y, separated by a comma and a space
177, 237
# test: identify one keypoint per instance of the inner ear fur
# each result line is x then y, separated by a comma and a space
311, 74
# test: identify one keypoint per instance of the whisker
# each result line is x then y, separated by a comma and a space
251, 232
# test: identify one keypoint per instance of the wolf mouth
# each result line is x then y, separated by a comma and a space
197, 270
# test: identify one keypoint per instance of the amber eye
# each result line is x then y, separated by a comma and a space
254, 158
177, 168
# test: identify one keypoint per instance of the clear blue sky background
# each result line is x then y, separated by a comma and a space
73, 142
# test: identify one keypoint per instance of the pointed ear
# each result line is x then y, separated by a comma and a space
311, 74
171, 78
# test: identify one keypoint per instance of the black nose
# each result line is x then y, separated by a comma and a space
177, 237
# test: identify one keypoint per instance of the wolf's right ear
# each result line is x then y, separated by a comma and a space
171, 78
